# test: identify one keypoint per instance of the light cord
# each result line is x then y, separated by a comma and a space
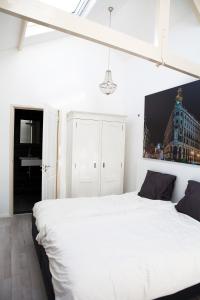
110, 9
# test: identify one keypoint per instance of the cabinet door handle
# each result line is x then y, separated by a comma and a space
104, 165
95, 165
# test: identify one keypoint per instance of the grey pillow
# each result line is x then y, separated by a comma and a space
190, 203
157, 186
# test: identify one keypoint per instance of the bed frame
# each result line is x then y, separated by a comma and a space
186, 294
44, 264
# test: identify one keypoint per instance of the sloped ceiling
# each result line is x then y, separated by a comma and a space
133, 17
184, 34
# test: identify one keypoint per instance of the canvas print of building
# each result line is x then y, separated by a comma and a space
172, 124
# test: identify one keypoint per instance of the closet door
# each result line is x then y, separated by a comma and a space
85, 166
112, 158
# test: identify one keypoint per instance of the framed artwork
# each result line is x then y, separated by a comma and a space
172, 124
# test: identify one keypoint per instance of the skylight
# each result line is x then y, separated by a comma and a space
77, 7
67, 5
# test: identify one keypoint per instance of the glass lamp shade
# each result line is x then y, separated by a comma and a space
108, 86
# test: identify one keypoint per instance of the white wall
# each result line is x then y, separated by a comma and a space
66, 73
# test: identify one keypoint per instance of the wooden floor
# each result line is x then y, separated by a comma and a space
20, 275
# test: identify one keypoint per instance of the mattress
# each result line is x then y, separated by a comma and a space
80, 268
185, 294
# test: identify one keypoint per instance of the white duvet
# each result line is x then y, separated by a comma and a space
51, 212
118, 248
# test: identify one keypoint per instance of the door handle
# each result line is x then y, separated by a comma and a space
45, 168
104, 165
95, 165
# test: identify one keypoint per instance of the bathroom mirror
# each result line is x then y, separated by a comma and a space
29, 132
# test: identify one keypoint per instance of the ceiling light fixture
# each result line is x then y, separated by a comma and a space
108, 86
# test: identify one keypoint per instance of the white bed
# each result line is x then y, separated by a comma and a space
118, 247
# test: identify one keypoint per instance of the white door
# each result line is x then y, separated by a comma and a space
112, 158
49, 153
85, 160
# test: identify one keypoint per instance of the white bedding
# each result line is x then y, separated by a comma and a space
123, 248
51, 212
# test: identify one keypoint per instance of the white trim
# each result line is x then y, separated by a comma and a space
95, 116
177, 61
43, 14
22, 35
11, 159
5, 216
197, 6
162, 26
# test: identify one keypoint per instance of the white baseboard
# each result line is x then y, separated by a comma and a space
5, 216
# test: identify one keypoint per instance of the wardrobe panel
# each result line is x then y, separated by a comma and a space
86, 148
112, 157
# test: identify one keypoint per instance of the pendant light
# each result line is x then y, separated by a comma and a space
108, 86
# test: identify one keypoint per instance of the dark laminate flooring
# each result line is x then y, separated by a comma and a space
20, 276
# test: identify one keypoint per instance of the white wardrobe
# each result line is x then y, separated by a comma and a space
95, 154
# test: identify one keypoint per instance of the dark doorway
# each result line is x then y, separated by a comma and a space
27, 159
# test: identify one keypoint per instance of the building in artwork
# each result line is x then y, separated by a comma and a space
182, 135
146, 140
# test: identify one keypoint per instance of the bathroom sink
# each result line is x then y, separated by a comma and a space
30, 161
